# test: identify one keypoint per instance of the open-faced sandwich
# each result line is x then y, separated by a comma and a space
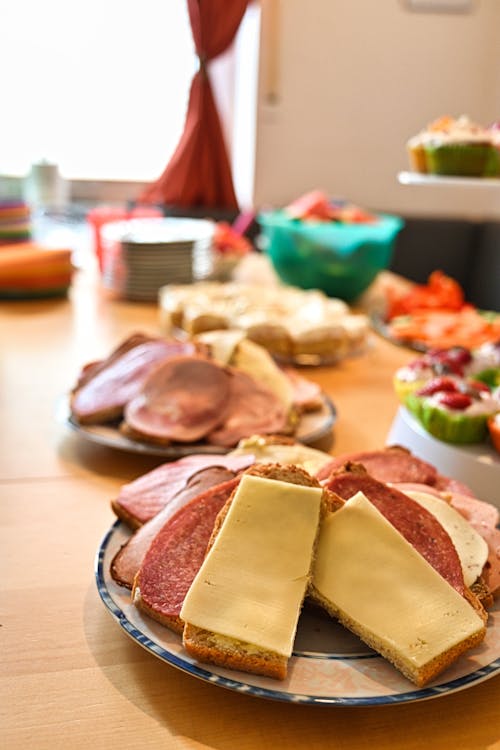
228, 553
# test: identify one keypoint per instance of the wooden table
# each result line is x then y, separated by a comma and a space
70, 677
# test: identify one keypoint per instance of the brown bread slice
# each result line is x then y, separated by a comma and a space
216, 648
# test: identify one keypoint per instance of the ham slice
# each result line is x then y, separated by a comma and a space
108, 387
252, 409
91, 369
142, 499
446, 484
128, 559
484, 518
307, 396
181, 401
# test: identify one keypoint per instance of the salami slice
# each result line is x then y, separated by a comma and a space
105, 391
419, 527
176, 554
181, 401
252, 409
128, 559
387, 465
142, 499
482, 516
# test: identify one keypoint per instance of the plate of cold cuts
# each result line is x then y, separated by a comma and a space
173, 398
167, 516
312, 427
329, 666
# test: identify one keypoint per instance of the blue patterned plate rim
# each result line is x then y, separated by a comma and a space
271, 693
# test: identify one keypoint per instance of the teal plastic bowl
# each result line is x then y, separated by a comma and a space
340, 259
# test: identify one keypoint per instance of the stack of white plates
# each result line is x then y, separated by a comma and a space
142, 255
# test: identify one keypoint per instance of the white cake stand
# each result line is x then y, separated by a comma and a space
477, 466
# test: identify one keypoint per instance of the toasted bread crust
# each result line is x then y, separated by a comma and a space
228, 652
173, 623
127, 518
419, 677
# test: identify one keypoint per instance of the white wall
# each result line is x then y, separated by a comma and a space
354, 80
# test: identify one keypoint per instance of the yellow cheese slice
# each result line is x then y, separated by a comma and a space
308, 458
379, 582
253, 580
258, 363
221, 343
471, 547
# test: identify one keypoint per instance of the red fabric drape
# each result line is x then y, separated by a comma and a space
199, 173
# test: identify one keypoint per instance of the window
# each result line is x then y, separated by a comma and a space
100, 88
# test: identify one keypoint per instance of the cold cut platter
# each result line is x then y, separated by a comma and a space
173, 398
313, 427
329, 666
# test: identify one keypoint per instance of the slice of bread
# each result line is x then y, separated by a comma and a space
255, 507
389, 595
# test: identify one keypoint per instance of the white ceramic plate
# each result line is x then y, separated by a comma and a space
313, 426
329, 666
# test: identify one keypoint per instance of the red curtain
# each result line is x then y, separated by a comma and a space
199, 173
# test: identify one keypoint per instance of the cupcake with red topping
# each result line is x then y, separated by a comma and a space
481, 364
455, 409
454, 361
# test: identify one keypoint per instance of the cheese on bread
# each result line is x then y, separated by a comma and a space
371, 579
247, 596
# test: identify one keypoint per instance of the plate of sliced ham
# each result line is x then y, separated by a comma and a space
172, 398
311, 428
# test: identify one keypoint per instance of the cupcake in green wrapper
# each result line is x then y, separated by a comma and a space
461, 159
453, 409
447, 425
463, 149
